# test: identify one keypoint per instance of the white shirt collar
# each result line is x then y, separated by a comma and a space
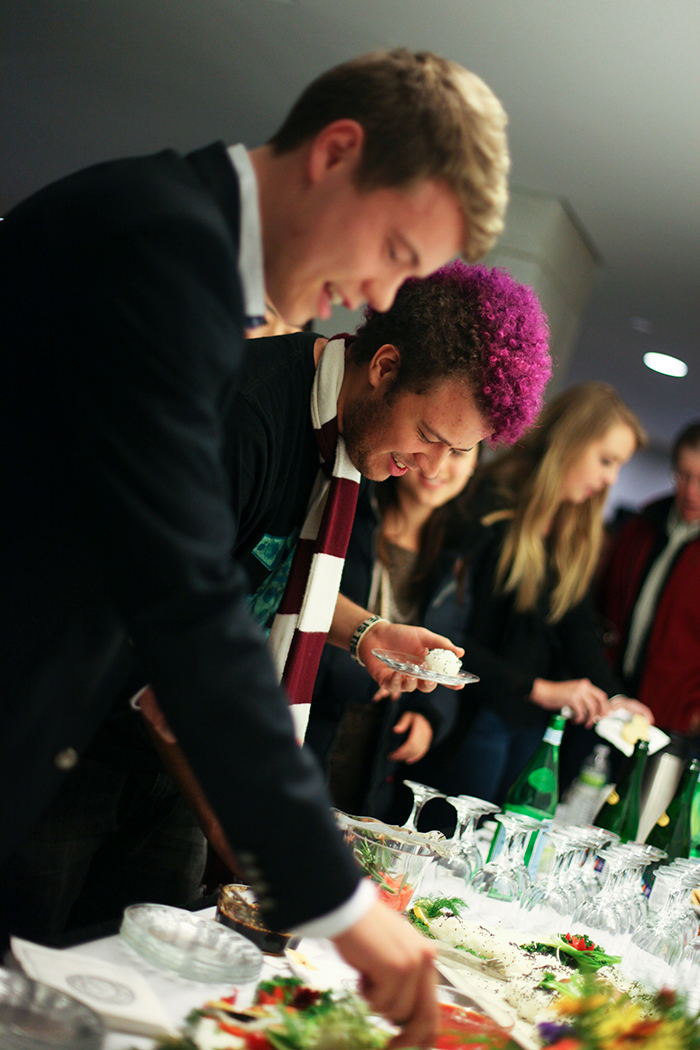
250, 255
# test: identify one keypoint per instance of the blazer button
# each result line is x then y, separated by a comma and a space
66, 759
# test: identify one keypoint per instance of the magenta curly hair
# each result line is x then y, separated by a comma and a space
473, 324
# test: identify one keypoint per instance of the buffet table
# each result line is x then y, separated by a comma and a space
179, 996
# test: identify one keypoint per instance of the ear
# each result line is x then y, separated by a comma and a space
337, 145
384, 366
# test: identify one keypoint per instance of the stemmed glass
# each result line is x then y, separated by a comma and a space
469, 810
666, 932
607, 910
590, 876
689, 978
556, 890
421, 794
632, 888
506, 877
453, 868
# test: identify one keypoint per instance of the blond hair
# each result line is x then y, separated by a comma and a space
530, 478
424, 118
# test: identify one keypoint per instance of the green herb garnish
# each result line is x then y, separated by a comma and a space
587, 957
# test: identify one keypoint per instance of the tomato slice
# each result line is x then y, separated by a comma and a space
465, 1029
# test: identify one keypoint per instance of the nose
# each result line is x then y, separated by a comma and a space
380, 293
430, 462
612, 475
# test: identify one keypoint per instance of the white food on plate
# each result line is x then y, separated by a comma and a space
443, 660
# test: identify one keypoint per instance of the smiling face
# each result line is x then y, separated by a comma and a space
598, 466
341, 244
392, 433
454, 473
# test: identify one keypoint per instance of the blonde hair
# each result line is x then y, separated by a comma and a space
530, 477
424, 118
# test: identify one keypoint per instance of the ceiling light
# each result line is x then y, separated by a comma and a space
667, 365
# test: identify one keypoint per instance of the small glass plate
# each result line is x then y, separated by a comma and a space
404, 662
36, 1017
197, 948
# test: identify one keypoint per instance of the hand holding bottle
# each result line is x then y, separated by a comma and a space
588, 703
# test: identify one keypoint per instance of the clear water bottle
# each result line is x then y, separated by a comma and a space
584, 796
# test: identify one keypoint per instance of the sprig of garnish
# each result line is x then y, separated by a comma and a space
425, 909
578, 950
372, 865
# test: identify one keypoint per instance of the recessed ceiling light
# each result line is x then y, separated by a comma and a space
667, 365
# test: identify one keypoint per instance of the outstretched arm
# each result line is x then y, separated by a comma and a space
415, 641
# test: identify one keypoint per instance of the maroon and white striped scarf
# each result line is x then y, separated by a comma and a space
305, 613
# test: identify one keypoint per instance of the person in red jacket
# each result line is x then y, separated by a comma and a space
650, 593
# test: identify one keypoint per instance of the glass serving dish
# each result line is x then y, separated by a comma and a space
190, 945
36, 1017
393, 858
238, 909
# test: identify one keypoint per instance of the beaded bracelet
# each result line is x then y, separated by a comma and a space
359, 633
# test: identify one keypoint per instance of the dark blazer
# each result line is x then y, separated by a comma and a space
121, 313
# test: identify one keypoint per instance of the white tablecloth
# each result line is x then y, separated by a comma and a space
178, 995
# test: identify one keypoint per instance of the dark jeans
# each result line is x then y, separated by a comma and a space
110, 838
489, 757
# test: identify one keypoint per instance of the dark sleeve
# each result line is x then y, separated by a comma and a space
148, 410
580, 634
496, 640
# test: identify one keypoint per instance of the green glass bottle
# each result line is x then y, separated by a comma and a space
671, 832
535, 791
620, 811
695, 822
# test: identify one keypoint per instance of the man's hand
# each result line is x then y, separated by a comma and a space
416, 641
635, 706
420, 737
398, 976
588, 703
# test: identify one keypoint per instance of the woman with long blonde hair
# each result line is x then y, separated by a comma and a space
532, 637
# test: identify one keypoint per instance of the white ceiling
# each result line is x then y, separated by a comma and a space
603, 98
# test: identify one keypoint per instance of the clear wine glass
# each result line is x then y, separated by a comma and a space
607, 910
590, 876
666, 932
689, 977
632, 888
556, 890
506, 877
469, 810
421, 794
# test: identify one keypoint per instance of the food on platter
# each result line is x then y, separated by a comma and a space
636, 729
574, 950
591, 1015
529, 978
287, 1015
406, 664
464, 1028
443, 660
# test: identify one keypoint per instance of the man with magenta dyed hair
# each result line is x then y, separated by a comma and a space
461, 355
